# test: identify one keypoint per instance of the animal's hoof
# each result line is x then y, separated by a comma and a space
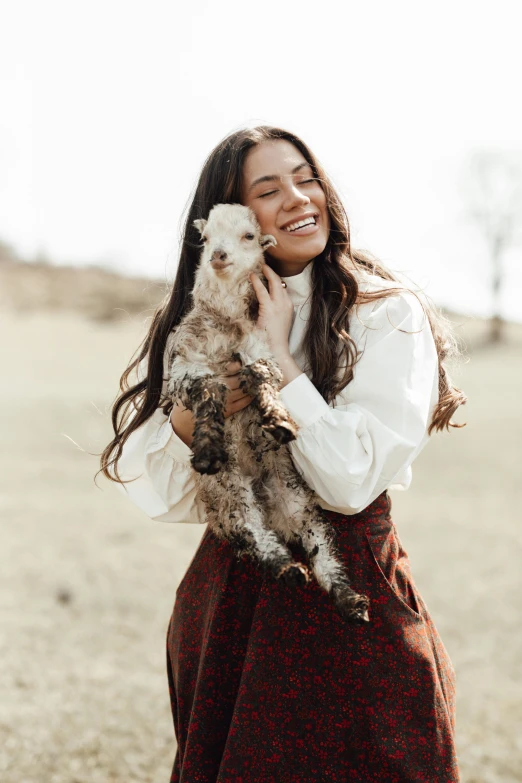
294, 574
352, 606
209, 463
282, 433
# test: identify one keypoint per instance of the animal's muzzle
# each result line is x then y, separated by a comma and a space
219, 259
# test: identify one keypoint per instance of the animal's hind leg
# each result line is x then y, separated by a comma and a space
330, 573
317, 539
234, 512
262, 380
274, 556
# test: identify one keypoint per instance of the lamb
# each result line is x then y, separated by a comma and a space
251, 491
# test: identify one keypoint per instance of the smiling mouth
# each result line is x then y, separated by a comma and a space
311, 220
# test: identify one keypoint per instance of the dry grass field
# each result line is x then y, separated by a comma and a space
88, 582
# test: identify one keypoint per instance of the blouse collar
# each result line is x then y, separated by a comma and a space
299, 286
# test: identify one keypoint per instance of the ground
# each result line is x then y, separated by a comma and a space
88, 582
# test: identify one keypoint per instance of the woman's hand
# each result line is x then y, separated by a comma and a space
182, 419
236, 397
276, 310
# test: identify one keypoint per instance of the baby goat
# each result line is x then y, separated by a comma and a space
252, 493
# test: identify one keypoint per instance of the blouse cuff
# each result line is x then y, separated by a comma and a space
302, 401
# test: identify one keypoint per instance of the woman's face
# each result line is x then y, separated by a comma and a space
278, 185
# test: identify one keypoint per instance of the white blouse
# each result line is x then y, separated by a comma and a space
348, 454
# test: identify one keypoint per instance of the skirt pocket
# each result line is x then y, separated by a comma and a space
393, 568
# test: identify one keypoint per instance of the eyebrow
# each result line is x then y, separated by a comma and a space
272, 177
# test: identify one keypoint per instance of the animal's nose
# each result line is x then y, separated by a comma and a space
218, 255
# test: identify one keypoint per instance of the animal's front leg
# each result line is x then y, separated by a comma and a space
205, 395
262, 380
208, 397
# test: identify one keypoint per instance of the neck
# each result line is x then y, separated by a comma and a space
287, 268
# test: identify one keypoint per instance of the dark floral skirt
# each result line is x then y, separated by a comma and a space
269, 685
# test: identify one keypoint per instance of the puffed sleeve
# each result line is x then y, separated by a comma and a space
158, 460
164, 487
351, 452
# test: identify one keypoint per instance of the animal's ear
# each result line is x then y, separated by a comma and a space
267, 240
200, 225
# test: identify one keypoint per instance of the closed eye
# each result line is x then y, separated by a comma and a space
303, 182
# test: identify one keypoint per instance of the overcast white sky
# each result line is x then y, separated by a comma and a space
108, 109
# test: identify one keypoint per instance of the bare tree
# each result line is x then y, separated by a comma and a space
492, 187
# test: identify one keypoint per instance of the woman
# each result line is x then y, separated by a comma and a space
268, 683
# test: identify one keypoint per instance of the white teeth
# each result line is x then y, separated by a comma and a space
301, 223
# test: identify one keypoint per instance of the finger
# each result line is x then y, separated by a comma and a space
233, 383
233, 368
235, 395
261, 292
240, 404
232, 407
274, 281
232, 378
180, 408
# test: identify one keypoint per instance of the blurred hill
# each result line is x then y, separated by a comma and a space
107, 296
98, 293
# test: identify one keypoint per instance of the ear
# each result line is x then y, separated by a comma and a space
200, 225
267, 240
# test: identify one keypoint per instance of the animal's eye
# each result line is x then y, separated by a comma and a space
250, 236
204, 239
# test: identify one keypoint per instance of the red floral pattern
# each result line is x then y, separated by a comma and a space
269, 685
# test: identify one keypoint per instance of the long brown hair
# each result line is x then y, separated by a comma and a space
327, 342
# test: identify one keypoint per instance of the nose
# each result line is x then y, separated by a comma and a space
295, 198
218, 255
